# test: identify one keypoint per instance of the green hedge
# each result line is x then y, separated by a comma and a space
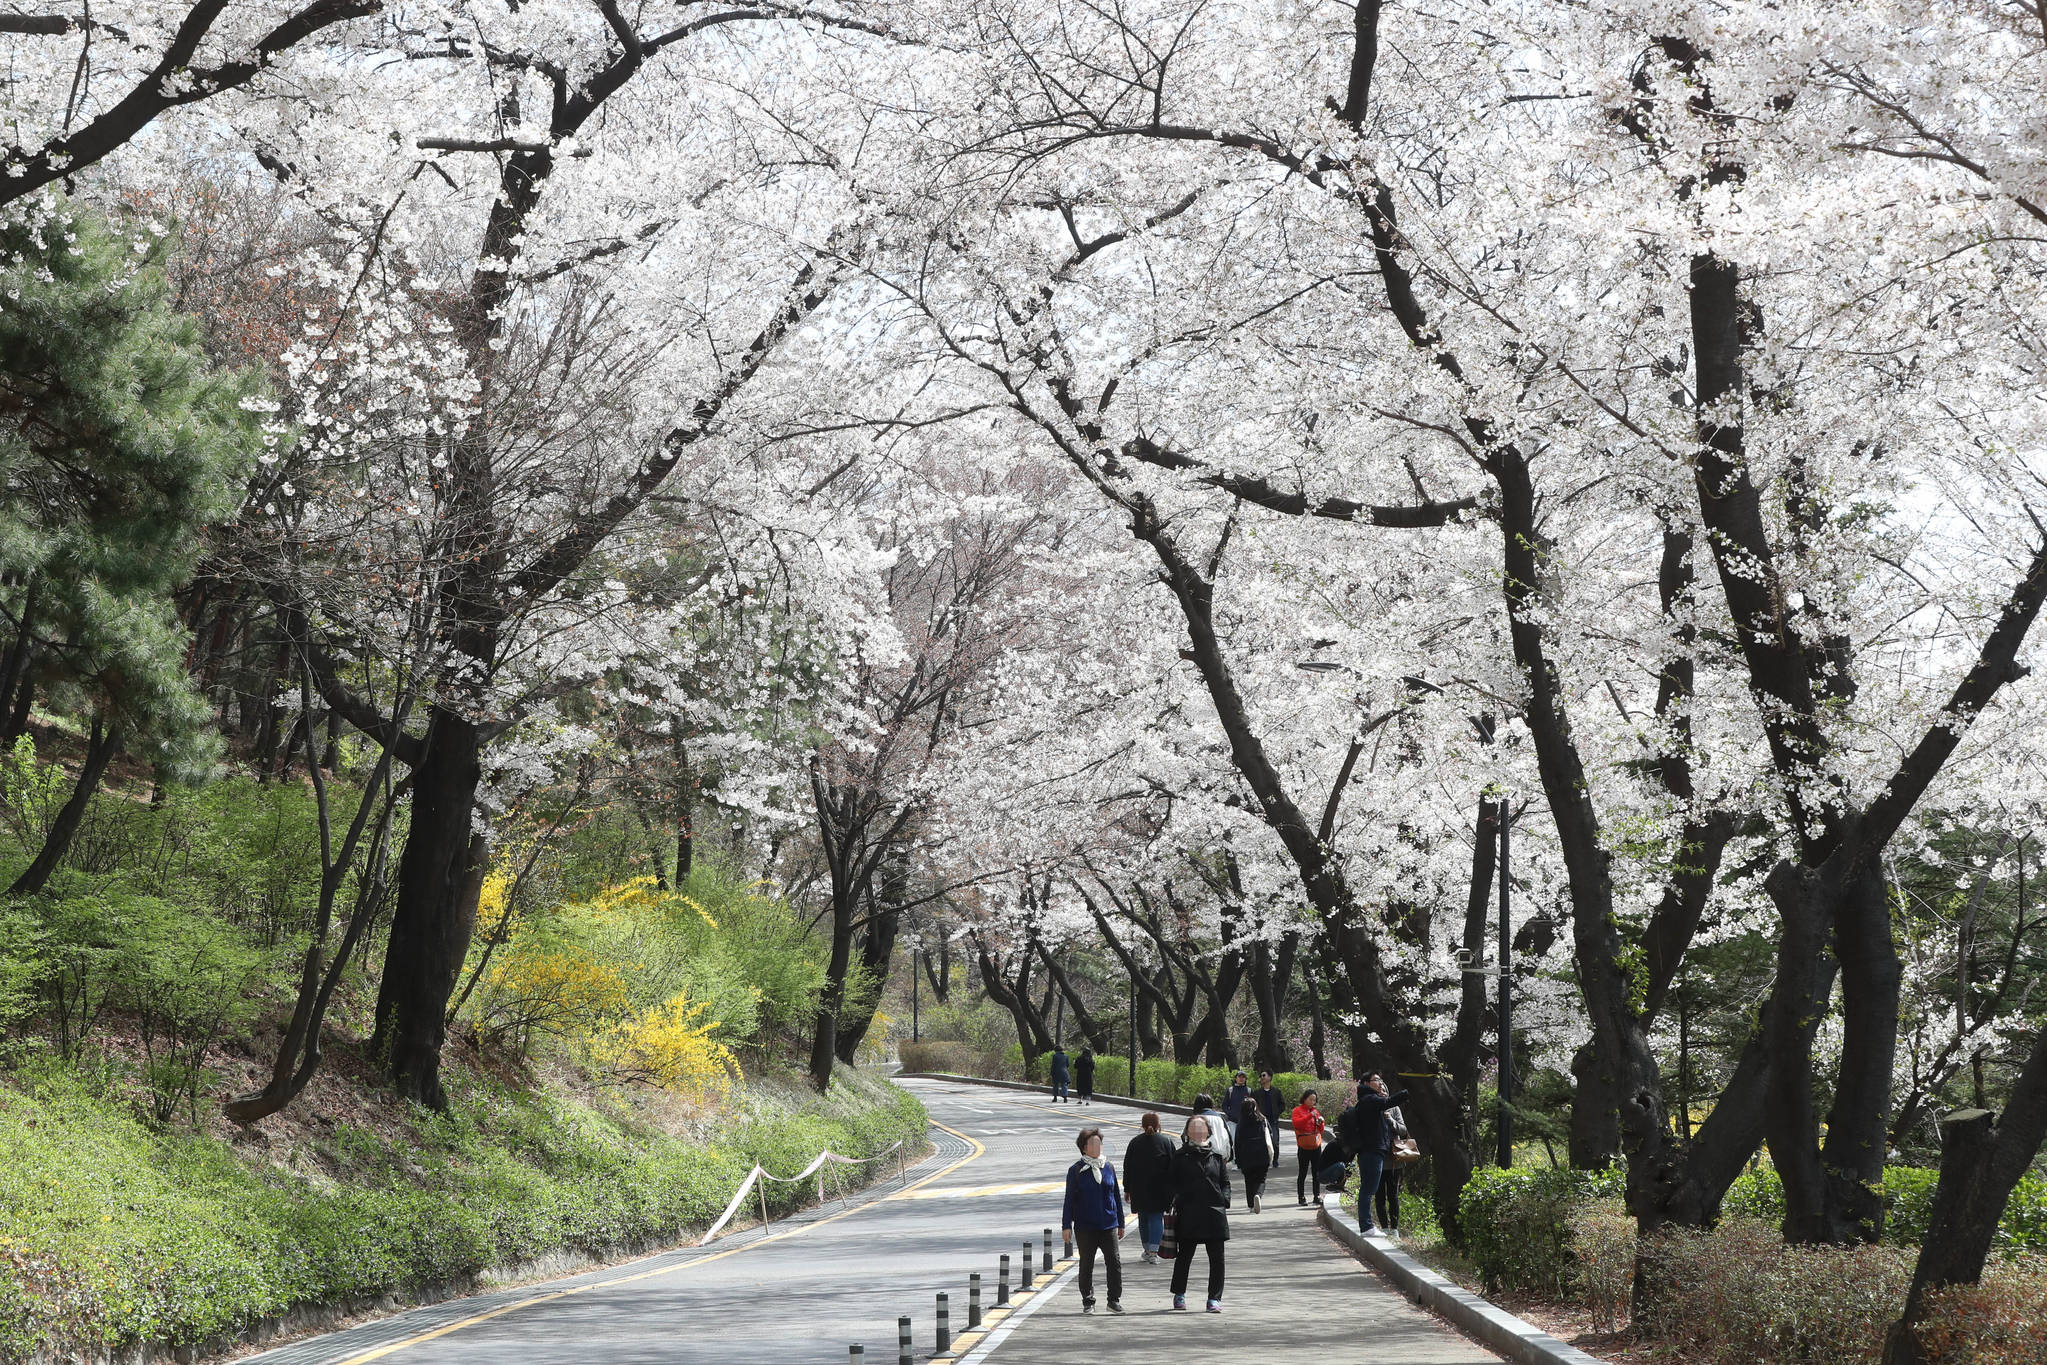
1164, 1082
1517, 1223
112, 1234
1908, 1206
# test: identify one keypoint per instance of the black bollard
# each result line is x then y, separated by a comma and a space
856, 1354
1002, 1283
973, 1300
905, 1353
1048, 1249
944, 1324
1023, 1280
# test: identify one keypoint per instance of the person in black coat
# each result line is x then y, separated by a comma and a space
1084, 1075
1148, 1182
1257, 1149
1367, 1132
1201, 1201
1270, 1102
1062, 1076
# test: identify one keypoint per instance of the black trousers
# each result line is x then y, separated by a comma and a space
1308, 1174
1386, 1202
1183, 1261
1103, 1240
1254, 1181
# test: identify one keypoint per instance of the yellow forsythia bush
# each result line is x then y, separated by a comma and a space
671, 1045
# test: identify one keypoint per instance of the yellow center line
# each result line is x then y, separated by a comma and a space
380, 1352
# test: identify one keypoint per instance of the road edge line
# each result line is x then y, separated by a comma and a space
1009, 1324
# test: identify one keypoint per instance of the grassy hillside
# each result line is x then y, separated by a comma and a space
114, 1231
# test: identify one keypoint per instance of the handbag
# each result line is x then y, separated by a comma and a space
1169, 1244
1405, 1152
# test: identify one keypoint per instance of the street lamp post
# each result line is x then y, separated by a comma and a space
914, 1036
1506, 1086
1132, 1092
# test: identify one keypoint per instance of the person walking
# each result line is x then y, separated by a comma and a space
1084, 1074
1365, 1128
1269, 1102
1386, 1199
1201, 1201
1062, 1076
1148, 1184
1308, 1128
1094, 1218
1218, 1131
1233, 1104
1257, 1149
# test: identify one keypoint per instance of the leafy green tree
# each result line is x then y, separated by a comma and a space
119, 444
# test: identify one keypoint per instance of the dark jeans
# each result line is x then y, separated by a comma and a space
1058, 1087
1370, 1164
1386, 1203
1151, 1229
1183, 1261
1308, 1174
1103, 1240
1254, 1181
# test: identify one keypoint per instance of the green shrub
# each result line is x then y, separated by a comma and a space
1908, 1207
2002, 1321
958, 1059
1517, 1224
1738, 1295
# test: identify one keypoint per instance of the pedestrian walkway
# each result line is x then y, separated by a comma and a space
1292, 1293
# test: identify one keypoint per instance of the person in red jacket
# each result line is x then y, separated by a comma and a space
1308, 1127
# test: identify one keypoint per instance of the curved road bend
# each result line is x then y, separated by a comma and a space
802, 1293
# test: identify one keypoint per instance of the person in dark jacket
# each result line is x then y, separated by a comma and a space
1201, 1201
1094, 1218
1233, 1105
1062, 1076
1148, 1184
1365, 1128
1084, 1075
1257, 1149
1269, 1102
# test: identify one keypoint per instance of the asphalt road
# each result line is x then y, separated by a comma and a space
802, 1292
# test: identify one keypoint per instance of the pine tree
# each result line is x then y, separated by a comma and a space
120, 443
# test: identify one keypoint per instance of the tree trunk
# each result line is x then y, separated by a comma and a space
877, 949
1595, 1113
1981, 1163
440, 875
99, 751
1084, 1018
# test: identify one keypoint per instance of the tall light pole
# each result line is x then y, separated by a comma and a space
1506, 1086
914, 1036
1132, 1092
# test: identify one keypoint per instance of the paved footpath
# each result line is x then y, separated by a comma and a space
809, 1286
1290, 1293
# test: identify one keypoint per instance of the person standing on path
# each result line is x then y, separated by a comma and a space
1148, 1184
1308, 1127
1218, 1131
1201, 1201
1094, 1218
1084, 1074
1269, 1102
1372, 1136
1257, 1149
1062, 1076
1233, 1105
1386, 1200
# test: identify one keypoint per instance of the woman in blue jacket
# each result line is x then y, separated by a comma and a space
1094, 1218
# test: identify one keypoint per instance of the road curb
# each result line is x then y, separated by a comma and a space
1123, 1100
1481, 1321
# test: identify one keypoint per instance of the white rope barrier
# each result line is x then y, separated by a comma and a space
758, 1174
